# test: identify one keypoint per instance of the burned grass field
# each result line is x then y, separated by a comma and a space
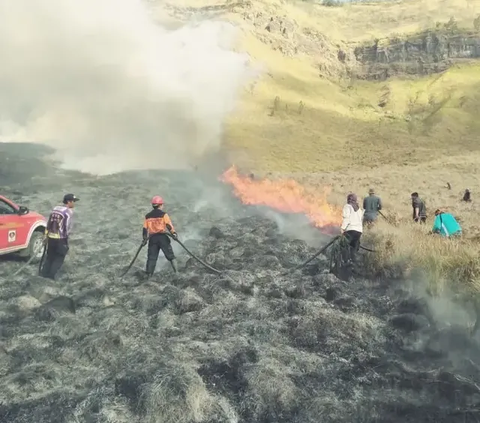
250, 345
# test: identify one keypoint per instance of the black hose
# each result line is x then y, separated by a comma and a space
194, 256
323, 249
42, 259
133, 260
367, 249
34, 254
337, 256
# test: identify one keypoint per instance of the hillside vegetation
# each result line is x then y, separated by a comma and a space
309, 117
341, 123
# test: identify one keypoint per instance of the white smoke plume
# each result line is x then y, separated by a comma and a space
110, 88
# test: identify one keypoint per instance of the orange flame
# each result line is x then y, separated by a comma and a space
284, 195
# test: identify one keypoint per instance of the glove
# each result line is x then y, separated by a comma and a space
144, 242
45, 240
174, 235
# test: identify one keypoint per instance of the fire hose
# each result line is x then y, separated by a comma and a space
34, 254
367, 249
199, 260
133, 260
42, 259
175, 238
322, 250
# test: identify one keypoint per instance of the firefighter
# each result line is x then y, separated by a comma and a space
155, 228
57, 232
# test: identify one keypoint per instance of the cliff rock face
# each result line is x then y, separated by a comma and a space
426, 53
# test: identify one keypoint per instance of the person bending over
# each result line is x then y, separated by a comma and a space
446, 225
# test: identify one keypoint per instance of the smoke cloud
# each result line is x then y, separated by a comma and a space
109, 88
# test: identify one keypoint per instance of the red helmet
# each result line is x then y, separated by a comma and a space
157, 200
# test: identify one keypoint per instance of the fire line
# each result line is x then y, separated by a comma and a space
285, 195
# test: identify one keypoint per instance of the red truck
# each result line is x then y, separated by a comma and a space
21, 230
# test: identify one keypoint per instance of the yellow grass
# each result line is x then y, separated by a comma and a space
402, 248
343, 125
425, 136
358, 22
451, 265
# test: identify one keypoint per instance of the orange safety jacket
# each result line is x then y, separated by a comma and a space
156, 222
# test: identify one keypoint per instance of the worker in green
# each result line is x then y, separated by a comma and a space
372, 205
446, 225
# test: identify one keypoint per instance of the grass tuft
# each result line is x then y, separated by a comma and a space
446, 264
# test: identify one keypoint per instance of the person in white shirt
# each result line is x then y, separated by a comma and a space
352, 225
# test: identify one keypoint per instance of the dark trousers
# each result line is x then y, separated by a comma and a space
57, 250
155, 244
421, 219
353, 245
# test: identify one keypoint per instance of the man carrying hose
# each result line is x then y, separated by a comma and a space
156, 226
57, 233
352, 227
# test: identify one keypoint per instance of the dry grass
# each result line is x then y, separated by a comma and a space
405, 248
305, 115
300, 121
358, 22
407, 251
340, 126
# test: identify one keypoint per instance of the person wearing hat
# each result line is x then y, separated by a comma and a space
57, 232
156, 226
372, 205
446, 225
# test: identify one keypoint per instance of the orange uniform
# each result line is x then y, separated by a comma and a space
156, 222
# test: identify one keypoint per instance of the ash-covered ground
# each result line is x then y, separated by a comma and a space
250, 345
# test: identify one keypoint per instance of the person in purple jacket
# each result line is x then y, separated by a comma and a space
58, 230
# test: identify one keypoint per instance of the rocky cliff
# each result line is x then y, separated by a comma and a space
425, 53
431, 51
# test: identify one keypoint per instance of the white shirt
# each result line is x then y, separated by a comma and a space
352, 220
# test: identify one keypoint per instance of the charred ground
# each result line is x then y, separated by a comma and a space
251, 345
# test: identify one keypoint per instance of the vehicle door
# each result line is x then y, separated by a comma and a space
11, 228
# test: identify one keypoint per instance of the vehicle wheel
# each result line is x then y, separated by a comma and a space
36, 241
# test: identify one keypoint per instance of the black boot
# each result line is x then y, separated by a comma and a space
174, 265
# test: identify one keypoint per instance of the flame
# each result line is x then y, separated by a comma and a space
285, 195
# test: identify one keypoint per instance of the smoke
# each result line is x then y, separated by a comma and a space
109, 88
